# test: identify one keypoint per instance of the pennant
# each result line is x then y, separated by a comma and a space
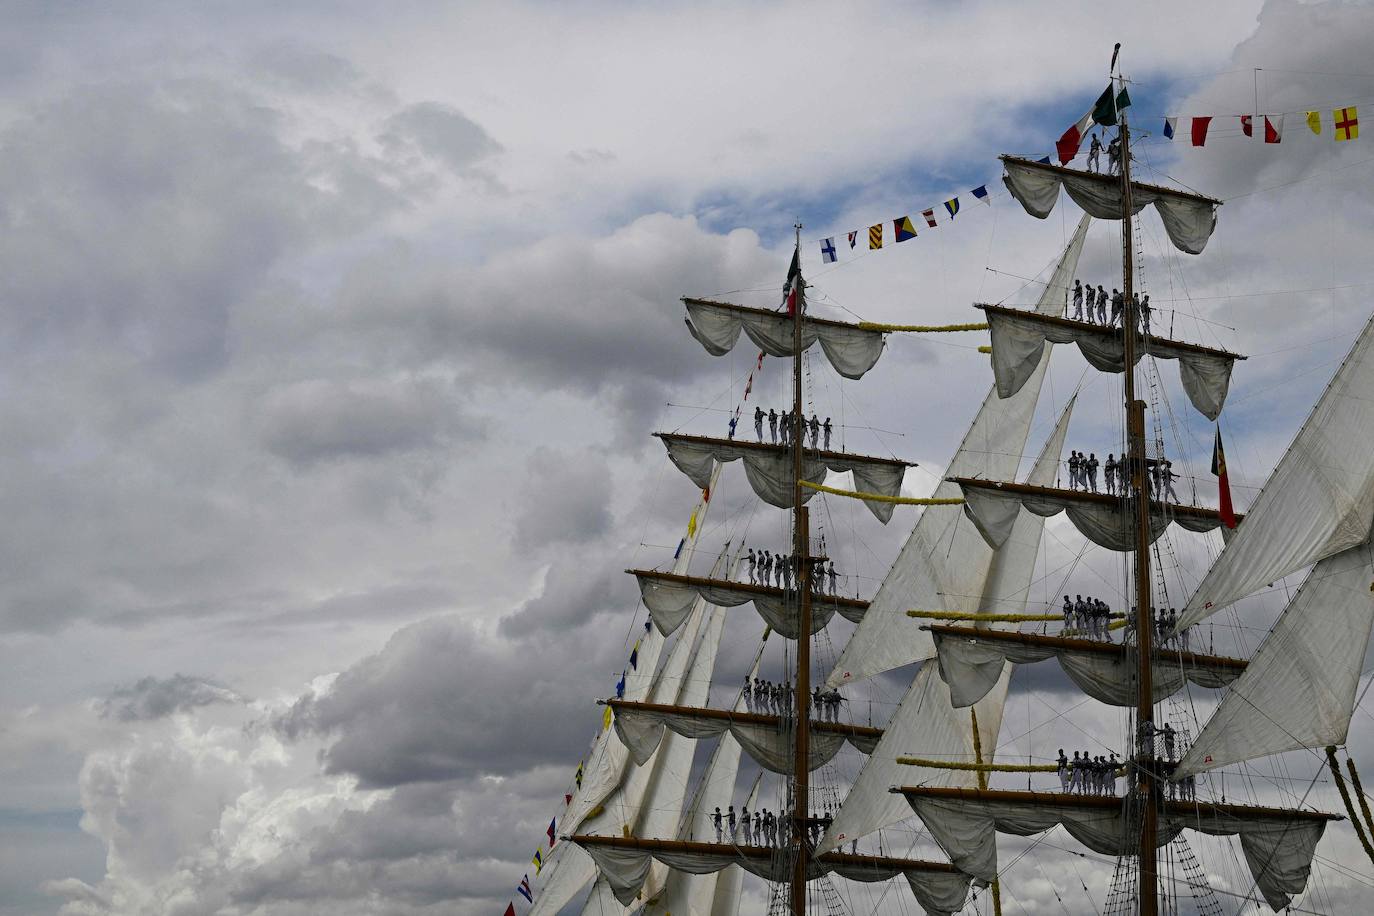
1200, 130
1169, 128
930, 217
952, 205
875, 237
853, 236
827, 250
749, 386
538, 861
1347, 124
634, 655
1247, 125
552, 830
792, 286
606, 718
1068, 144
510, 909
524, 889
1044, 161
902, 229
646, 626
620, 686
677, 553
981, 193
759, 365
706, 493
1314, 121
692, 524
1228, 514
1273, 129
578, 775
567, 799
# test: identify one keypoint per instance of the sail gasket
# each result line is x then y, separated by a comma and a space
1188, 218
769, 468
1019, 338
851, 348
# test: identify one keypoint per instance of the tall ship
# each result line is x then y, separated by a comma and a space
785, 787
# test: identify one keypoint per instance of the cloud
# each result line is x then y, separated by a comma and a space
153, 698
441, 132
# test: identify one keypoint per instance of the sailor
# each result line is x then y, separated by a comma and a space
753, 567
765, 566
787, 572
772, 425
748, 695
1190, 787
1173, 624
758, 422
1095, 154
1112, 767
734, 421
747, 825
1167, 478
715, 819
1073, 470
1163, 628
1063, 772
758, 828
730, 819
1090, 300
1068, 617
825, 428
1168, 731
818, 699
1076, 774
835, 701
785, 427
1109, 474
830, 574
779, 564
1118, 303
826, 820
1114, 156
1146, 737
815, 429
1078, 299
1080, 613
1145, 314
1092, 464
813, 828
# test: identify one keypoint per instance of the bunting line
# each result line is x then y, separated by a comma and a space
903, 227
879, 497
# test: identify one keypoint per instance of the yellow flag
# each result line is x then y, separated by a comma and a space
606, 719
1347, 123
692, 524
1314, 121
875, 236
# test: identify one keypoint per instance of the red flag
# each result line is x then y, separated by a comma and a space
551, 832
1273, 129
510, 909
1228, 514
1247, 125
567, 799
1068, 144
1200, 130
792, 288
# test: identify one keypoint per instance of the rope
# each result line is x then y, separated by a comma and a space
959, 615
922, 328
878, 497
1349, 806
985, 349
1359, 790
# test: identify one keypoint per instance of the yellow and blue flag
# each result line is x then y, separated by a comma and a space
952, 205
902, 229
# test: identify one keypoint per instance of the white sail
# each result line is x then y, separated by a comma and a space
851, 349
1299, 690
1319, 500
944, 558
926, 722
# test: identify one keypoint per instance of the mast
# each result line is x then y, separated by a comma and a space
1147, 890
802, 776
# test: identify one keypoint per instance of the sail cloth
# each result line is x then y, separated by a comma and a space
941, 891
1278, 845
768, 739
669, 599
1019, 338
1299, 690
852, 350
944, 563
926, 718
971, 665
769, 468
1188, 218
1105, 520
1319, 500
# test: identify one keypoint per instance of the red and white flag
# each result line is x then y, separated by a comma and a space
1273, 128
1068, 145
1200, 126
791, 290
1247, 125
930, 217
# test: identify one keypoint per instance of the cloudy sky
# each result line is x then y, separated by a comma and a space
333, 334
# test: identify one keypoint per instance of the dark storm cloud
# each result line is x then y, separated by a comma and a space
567, 499
441, 132
155, 698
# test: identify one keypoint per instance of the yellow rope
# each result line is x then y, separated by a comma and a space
1359, 789
922, 328
985, 349
1006, 618
1349, 806
878, 497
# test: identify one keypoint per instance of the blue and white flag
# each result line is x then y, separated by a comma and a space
981, 193
828, 250
1169, 127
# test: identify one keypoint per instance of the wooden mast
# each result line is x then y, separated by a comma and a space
1147, 889
802, 775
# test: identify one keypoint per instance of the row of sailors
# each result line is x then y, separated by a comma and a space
765, 697
1085, 775
784, 570
1166, 736
1096, 301
765, 828
1083, 475
780, 427
1089, 616
1167, 631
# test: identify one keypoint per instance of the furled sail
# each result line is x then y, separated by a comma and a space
1319, 500
1019, 338
669, 597
769, 468
625, 861
926, 719
971, 663
851, 349
945, 562
767, 738
1299, 689
1188, 218
1107, 521
1278, 843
